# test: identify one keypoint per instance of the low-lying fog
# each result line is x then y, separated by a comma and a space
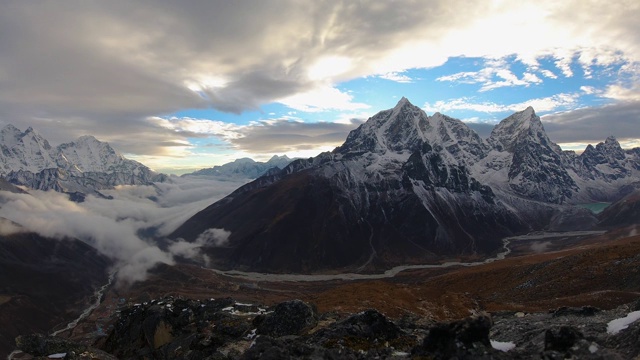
114, 226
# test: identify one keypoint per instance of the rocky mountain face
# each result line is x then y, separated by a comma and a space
43, 282
408, 188
245, 168
624, 212
82, 166
178, 328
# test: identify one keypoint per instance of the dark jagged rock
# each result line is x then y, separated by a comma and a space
581, 311
289, 318
268, 348
561, 339
39, 345
358, 330
468, 338
173, 328
626, 342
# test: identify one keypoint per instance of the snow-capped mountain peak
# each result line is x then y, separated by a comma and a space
10, 135
245, 168
88, 154
396, 130
83, 165
611, 147
24, 150
521, 126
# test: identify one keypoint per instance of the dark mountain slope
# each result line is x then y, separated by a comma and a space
392, 194
43, 283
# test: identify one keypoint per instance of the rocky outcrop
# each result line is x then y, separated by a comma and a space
47, 347
465, 338
174, 328
288, 318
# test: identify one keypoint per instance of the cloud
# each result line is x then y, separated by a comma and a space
548, 73
8, 227
397, 77
540, 246
496, 75
282, 136
214, 237
125, 228
267, 136
593, 124
322, 99
550, 103
77, 67
191, 250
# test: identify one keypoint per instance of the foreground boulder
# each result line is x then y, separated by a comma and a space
44, 346
464, 339
288, 318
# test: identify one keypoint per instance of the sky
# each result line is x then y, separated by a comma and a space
186, 85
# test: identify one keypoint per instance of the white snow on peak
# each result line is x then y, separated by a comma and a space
87, 154
29, 151
517, 127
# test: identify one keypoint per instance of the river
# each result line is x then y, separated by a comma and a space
98, 296
267, 277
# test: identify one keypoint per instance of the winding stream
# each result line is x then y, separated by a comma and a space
255, 276
97, 295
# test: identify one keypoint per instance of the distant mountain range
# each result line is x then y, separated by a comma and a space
245, 168
410, 188
84, 166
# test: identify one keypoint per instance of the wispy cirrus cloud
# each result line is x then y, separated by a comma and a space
546, 104
397, 77
494, 76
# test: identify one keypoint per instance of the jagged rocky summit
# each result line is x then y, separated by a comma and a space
409, 188
84, 166
245, 168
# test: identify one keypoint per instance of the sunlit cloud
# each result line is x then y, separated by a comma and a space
322, 99
548, 73
328, 67
397, 77
551, 103
493, 77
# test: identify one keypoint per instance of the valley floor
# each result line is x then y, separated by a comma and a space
538, 275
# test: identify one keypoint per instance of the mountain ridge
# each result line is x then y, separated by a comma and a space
403, 188
244, 168
85, 165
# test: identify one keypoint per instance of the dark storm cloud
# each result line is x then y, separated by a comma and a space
284, 135
594, 124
